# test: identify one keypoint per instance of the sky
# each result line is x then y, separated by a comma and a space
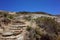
49, 6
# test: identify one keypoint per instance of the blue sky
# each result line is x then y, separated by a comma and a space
49, 6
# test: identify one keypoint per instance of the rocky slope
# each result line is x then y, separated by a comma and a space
29, 26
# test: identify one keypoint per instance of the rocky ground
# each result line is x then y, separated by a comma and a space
28, 26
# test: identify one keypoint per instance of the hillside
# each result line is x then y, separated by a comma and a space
29, 26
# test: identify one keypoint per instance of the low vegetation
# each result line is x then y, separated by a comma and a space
47, 28
49, 25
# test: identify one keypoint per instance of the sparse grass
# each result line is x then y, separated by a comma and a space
27, 18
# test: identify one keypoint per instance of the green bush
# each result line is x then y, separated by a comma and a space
10, 16
47, 23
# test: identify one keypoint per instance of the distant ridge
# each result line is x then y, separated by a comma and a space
26, 12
